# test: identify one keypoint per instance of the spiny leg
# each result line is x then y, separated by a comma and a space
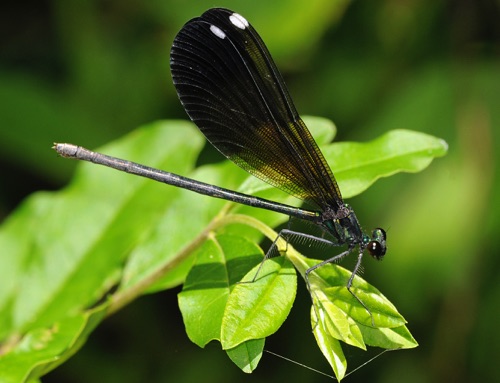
286, 234
351, 279
317, 266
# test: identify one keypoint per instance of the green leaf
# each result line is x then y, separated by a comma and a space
221, 262
215, 307
247, 354
336, 315
62, 252
67, 249
42, 349
258, 309
337, 322
329, 346
383, 313
358, 165
330, 282
388, 338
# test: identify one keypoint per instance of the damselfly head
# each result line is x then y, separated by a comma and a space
377, 246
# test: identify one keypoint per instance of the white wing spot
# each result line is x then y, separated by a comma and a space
238, 21
217, 32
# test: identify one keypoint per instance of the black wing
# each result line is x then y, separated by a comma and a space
231, 88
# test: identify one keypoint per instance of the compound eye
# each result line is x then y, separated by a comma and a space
376, 250
379, 234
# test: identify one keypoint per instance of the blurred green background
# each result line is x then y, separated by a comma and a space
90, 71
